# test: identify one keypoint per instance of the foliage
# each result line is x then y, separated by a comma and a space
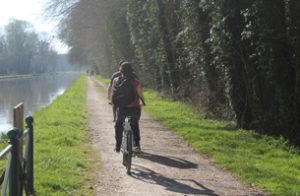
236, 59
148, 44
23, 52
260, 65
271, 164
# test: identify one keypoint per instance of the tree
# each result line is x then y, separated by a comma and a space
3, 55
144, 32
242, 54
16, 38
22, 52
166, 18
204, 73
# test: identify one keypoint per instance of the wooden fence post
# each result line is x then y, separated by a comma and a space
18, 123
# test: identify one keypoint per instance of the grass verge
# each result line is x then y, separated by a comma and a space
269, 163
33, 75
62, 160
104, 80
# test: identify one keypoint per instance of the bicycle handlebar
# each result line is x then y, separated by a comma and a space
143, 101
143, 104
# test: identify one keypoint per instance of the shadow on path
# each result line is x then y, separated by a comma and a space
168, 161
174, 185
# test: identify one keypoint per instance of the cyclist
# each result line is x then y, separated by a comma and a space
114, 76
133, 109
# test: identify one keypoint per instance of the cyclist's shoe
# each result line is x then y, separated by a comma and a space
137, 149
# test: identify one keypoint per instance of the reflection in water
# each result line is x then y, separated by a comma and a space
35, 92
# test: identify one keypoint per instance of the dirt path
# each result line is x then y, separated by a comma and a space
167, 165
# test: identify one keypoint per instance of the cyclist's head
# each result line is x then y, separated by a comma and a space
120, 63
126, 68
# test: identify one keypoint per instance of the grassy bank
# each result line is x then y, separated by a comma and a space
61, 166
33, 75
267, 162
15, 76
104, 80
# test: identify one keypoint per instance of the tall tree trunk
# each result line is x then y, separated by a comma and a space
280, 65
170, 68
297, 85
216, 90
235, 55
295, 25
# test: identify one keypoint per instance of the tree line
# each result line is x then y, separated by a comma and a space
234, 58
23, 51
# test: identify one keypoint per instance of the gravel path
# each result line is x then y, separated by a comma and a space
167, 165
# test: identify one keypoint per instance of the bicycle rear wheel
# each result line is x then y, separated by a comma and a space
124, 158
129, 153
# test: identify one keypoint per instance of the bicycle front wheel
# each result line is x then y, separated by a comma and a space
129, 153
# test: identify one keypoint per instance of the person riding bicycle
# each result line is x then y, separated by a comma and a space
133, 109
114, 76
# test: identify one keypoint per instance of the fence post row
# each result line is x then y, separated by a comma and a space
19, 169
14, 183
17, 175
29, 154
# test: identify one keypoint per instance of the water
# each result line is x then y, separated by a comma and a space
35, 93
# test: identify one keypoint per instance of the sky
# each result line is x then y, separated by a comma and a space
32, 12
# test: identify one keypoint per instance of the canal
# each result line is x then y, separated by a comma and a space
35, 92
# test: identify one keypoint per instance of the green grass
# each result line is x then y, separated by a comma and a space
16, 76
104, 80
269, 163
63, 162
61, 158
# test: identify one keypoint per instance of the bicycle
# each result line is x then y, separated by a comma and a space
127, 144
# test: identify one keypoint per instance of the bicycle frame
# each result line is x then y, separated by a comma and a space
127, 144
127, 130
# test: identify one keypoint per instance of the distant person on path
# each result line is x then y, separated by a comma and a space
114, 76
133, 109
